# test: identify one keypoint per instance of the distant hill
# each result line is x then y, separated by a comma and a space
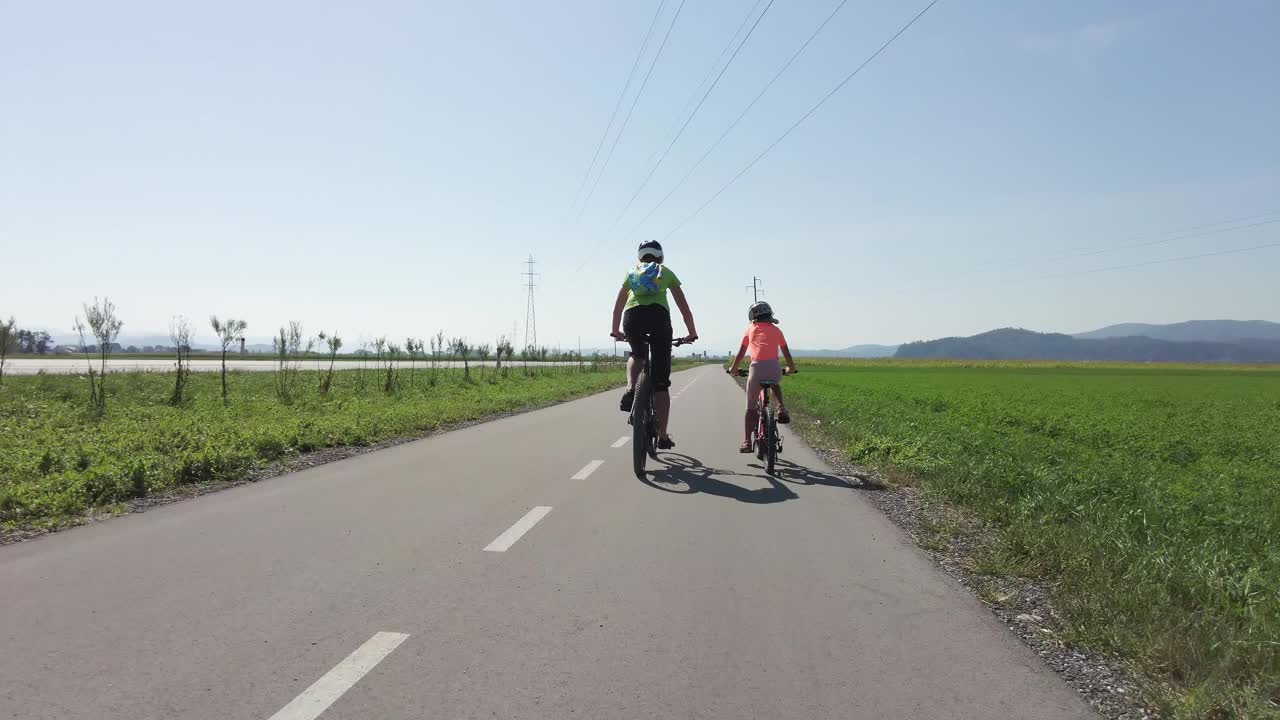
1192, 331
1019, 344
853, 351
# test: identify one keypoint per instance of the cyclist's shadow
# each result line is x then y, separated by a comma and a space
790, 472
686, 475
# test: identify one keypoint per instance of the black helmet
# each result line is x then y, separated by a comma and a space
649, 247
761, 312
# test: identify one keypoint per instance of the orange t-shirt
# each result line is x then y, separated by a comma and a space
764, 339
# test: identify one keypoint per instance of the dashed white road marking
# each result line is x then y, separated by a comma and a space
323, 692
587, 469
517, 531
695, 379
621, 441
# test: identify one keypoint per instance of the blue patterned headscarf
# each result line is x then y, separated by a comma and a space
644, 279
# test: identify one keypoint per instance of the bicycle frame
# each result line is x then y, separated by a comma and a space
643, 417
768, 443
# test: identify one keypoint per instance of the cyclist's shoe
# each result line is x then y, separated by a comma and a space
666, 443
628, 397
784, 417
745, 448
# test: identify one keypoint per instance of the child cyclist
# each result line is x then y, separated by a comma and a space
641, 317
764, 339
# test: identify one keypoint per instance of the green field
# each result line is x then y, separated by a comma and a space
1150, 496
57, 460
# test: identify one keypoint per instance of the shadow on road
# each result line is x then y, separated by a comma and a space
687, 475
800, 475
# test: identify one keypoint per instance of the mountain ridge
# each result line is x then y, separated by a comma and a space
1021, 344
1190, 331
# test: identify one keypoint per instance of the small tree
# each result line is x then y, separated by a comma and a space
180, 336
482, 354
505, 349
437, 347
460, 348
8, 343
287, 348
228, 332
363, 352
379, 349
389, 365
413, 346
105, 326
334, 343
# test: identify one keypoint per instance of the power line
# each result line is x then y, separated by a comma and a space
1159, 262
693, 96
1165, 237
605, 165
1207, 233
689, 119
616, 106
1181, 234
804, 117
738, 119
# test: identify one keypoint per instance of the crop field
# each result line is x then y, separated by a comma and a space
1150, 496
58, 458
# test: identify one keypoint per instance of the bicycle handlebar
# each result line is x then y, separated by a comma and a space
742, 372
674, 343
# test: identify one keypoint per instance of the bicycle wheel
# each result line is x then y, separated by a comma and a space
653, 434
770, 440
641, 406
758, 439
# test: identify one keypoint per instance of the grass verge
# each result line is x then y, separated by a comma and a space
1149, 497
58, 461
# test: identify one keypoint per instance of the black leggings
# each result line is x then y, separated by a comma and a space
646, 325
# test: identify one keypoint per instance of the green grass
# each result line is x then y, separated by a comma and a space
1150, 496
57, 460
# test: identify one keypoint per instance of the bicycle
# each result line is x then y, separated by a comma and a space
644, 418
767, 441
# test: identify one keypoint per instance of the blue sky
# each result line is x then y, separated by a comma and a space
384, 167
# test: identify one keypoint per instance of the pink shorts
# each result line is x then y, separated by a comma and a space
763, 371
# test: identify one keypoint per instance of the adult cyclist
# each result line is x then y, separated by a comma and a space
642, 318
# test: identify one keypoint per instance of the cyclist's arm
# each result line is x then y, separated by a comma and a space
733, 369
791, 363
683, 304
617, 311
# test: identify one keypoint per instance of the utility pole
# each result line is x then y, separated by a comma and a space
530, 315
754, 287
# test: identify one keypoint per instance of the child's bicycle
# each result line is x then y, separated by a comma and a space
767, 442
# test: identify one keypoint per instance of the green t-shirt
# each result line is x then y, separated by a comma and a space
648, 287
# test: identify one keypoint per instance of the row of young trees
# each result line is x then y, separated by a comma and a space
100, 326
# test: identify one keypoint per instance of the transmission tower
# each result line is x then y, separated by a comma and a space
530, 315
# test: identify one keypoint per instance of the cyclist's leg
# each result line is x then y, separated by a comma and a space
753, 398
767, 371
660, 339
632, 327
784, 417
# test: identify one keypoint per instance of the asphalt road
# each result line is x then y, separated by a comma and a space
516, 569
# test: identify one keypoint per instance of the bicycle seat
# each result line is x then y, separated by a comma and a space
767, 383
